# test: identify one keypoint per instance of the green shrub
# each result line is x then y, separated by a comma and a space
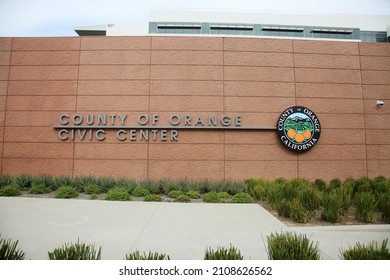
310, 198
288, 191
8, 250
345, 195
151, 186
83, 181
91, 189
332, 204
140, 191
106, 183
193, 194
185, 185
363, 185
242, 198
384, 207
283, 208
222, 253
5, 180
299, 213
77, 251
252, 182
66, 192
11, 190
135, 256
291, 246
93, 196
223, 195
183, 198
152, 197
260, 190
365, 207
63, 181
174, 194
118, 194
211, 197
380, 186
39, 188
204, 186
334, 184
234, 187
45, 180
24, 181
367, 252
320, 185
166, 186
128, 184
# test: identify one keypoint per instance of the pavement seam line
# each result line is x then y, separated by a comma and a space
145, 226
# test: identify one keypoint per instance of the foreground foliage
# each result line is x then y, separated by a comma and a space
77, 251
222, 253
370, 251
9, 251
146, 256
291, 246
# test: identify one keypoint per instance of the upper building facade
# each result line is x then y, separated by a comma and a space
364, 28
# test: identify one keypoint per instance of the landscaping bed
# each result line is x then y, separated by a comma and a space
296, 202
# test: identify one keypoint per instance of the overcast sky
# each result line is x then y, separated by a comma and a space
59, 17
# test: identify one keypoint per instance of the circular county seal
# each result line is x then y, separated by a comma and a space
298, 128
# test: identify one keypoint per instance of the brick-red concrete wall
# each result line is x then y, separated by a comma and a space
40, 78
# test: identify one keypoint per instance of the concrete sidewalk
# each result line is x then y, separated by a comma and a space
181, 230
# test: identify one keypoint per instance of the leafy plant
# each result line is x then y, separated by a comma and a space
66, 192
174, 194
320, 185
332, 204
365, 207
259, 189
166, 186
291, 246
152, 197
242, 198
91, 189
211, 197
77, 251
63, 181
45, 180
11, 190
151, 186
367, 252
9, 251
183, 198
106, 183
363, 185
223, 195
384, 207
204, 186
149, 256
299, 213
83, 181
193, 194
39, 188
24, 181
222, 253
118, 194
140, 191
334, 184
128, 184
5, 180
310, 198
283, 208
